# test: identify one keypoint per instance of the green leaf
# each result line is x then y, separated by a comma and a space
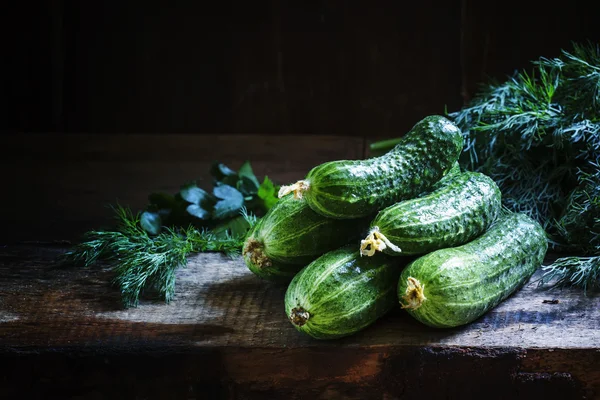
219, 171
151, 222
247, 186
246, 172
223, 174
162, 200
198, 212
268, 193
164, 213
236, 227
193, 194
231, 201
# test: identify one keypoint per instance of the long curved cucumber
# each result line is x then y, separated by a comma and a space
291, 235
458, 211
358, 188
341, 293
454, 286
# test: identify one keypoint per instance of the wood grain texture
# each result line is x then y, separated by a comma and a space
64, 333
219, 302
226, 328
59, 186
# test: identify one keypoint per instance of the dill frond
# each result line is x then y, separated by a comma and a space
573, 271
143, 262
538, 136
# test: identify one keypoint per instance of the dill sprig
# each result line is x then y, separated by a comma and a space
538, 136
142, 262
573, 271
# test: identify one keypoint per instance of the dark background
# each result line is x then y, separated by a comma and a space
124, 69
275, 67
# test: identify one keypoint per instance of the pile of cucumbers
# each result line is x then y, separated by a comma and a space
357, 238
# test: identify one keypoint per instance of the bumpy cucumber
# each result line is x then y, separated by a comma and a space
357, 188
454, 286
341, 293
452, 172
462, 207
291, 235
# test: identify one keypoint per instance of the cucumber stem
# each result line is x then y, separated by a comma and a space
298, 188
384, 145
376, 241
413, 297
299, 316
256, 253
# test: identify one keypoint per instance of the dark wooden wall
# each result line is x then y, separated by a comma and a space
274, 67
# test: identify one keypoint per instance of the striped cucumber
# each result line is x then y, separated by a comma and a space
462, 207
341, 293
454, 286
452, 172
291, 235
358, 188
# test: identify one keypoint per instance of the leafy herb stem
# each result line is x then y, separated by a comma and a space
142, 262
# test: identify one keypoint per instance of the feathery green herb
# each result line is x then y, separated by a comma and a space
538, 136
145, 249
145, 262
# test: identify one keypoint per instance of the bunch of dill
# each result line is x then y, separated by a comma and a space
143, 262
538, 136
145, 249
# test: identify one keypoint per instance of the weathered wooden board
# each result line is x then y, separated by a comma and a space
227, 328
308, 373
64, 333
219, 302
59, 186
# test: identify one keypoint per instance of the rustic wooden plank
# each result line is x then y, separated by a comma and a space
308, 373
59, 186
220, 303
226, 331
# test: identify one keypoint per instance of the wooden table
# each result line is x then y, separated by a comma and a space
64, 333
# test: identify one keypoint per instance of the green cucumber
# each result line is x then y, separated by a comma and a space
462, 207
452, 172
341, 293
358, 188
454, 286
291, 235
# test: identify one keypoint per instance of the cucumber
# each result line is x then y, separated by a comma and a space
358, 188
454, 286
341, 293
462, 208
291, 235
452, 172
